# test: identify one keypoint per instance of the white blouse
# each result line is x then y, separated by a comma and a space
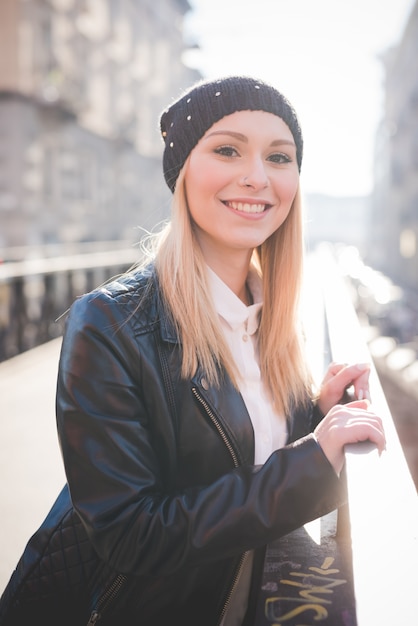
240, 325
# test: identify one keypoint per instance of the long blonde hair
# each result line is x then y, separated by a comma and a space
182, 278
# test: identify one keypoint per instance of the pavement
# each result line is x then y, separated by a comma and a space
31, 470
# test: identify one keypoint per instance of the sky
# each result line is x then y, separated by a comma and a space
325, 56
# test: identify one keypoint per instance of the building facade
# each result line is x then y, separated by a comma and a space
82, 84
393, 230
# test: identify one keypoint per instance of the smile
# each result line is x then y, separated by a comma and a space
247, 207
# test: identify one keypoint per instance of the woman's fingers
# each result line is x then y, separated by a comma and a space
356, 422
333, 370
340, 377
361, 385
357, 375
350, 423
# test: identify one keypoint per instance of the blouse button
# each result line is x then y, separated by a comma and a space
245, 337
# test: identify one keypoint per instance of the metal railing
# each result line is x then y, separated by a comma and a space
35, 293
382, 498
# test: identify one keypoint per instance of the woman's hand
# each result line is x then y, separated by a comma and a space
338, 378
348, 423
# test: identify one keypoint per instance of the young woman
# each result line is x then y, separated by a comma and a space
185, 407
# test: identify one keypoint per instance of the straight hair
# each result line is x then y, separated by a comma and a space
182, 277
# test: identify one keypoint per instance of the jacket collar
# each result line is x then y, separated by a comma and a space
168, 331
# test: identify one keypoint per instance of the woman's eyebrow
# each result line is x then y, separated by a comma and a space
283, 142
231, 133
244, 138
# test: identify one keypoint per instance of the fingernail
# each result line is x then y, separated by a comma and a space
360, 394
382, 450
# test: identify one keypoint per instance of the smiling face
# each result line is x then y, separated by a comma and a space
240, 180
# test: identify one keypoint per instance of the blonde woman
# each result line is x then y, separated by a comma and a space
185, 407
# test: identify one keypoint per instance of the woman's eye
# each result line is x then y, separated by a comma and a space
279, 157
227, 151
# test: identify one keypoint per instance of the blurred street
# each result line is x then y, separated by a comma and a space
30, 463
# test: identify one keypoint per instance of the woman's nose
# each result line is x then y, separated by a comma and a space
255, 176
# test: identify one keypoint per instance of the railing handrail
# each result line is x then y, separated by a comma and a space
83, 261
382, 498
47, 250
35, 292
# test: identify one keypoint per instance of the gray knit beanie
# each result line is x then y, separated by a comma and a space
187, 119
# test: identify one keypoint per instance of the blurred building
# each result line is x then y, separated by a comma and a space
393, 230
337, 220
82, 83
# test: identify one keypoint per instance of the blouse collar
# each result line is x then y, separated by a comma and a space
231, 308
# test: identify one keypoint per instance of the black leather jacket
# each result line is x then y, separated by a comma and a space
160, 469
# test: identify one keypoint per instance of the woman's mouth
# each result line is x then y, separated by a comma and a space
247, 207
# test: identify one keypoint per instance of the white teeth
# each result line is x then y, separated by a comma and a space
246, 207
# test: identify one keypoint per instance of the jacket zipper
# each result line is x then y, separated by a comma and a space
106, 598
237, 574
218, 426
231, 450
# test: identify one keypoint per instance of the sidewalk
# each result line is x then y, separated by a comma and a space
31, 471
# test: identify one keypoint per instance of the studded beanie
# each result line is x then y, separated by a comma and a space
187, 119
